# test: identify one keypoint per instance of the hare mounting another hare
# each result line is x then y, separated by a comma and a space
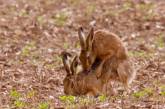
103, 58
103, 48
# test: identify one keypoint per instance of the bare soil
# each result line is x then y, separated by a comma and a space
34, 32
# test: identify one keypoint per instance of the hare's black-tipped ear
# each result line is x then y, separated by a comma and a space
81, 38
65, 60
74, 65
90, 38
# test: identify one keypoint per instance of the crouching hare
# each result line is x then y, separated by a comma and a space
79, 83
103, 48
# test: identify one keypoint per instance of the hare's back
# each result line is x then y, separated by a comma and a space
105, 42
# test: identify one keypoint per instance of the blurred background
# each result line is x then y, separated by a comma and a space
34, 32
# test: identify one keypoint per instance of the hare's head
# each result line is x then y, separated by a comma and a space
86, 48
79, 83
70, 65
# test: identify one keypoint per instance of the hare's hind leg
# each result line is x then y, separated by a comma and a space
94, 92
126, 74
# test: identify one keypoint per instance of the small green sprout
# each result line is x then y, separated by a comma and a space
26, 50
144, 92
145, 7
162, 93
31, 94
40, 19
15, 94
43, 105
68, 99
50, 66
66, 45
160, 41
148, 91
61, 18
146, 10
127, 5
137, 54
19, 104
162, 90
23, 13
139, 94
86, 101
90, 9
77, 45
102, 98
141, 54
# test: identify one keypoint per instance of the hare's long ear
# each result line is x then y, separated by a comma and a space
82, 38
74, 64
89, 38
65, 60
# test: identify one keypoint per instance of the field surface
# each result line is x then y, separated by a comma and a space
34, 32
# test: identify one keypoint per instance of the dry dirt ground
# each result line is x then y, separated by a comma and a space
34, 32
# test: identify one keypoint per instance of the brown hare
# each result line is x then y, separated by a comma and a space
100, 44
79, 83
105, 48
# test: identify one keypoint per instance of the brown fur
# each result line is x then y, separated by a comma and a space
100, 44
109, 50
82, 83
